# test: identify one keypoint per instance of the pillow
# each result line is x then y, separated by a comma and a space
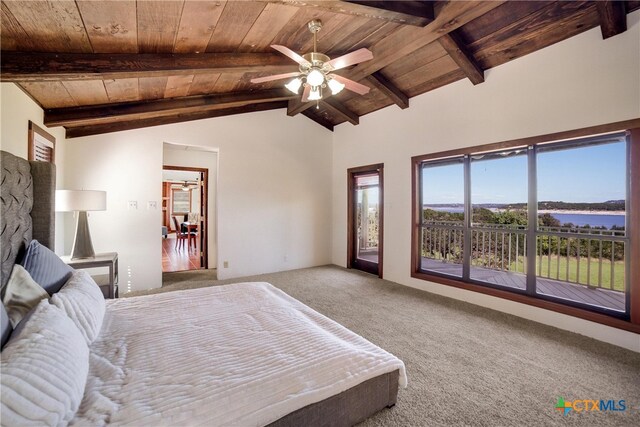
82, 300
44, 370
6, 326
45, 267
21, 294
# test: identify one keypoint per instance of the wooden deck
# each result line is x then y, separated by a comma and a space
599, 297
370, 255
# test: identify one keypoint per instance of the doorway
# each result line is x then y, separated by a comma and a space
184, 218
365, 208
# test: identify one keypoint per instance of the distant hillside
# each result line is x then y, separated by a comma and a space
609, 205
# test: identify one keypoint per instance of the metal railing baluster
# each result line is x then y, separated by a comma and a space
578, 262
612, 265
568, 254
549, 258
589, 262
600, 265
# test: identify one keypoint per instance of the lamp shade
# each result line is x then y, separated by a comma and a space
80, 200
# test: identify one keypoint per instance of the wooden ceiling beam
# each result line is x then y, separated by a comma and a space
407, 40
456, 50
340, 110
32, 67
137, 110
383, 84
78, 131
318, 119
407, 12
613, 17
296, 106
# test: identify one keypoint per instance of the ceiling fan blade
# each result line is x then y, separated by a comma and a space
274, 77
356, 87
291, 54
352, 58
305, 94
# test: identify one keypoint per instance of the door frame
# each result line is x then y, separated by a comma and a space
352, 173
204, 206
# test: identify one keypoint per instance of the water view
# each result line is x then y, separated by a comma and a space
577, 219
577, 185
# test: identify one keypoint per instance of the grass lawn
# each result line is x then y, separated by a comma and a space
550, 269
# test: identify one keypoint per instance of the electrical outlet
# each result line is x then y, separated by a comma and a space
132, 205
286, 258
152, 205
225, 264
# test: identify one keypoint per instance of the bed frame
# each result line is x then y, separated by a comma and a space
27, 212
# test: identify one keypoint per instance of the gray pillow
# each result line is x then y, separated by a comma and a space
45, 267
6, 326
21, 294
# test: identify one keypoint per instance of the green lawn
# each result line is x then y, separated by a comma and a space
618, 271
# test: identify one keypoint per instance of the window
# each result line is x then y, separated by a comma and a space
542, 222
180, 201
41, 146
443, 217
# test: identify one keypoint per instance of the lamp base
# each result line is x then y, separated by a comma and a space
82, 246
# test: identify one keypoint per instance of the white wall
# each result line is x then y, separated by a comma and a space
274, 192
16, 109
580, 82
175, 155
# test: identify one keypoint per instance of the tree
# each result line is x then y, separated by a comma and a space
548, 220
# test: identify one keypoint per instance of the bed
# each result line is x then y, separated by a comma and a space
241, 354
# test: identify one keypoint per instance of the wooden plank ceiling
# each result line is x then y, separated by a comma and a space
104, 66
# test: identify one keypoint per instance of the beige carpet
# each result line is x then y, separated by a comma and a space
467, 365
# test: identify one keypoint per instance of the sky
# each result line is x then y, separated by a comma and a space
587, 174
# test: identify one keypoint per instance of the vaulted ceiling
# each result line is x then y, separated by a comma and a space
104, 66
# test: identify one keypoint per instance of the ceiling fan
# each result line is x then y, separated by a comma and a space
316, 70
184, 185
188, 185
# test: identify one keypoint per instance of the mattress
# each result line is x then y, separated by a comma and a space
242, 354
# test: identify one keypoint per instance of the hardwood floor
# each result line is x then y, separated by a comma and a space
180, 258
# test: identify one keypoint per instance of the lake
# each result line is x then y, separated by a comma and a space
576, 219
593, 220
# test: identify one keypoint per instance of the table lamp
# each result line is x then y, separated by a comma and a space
81, 201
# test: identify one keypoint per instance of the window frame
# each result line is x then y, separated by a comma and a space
631, 320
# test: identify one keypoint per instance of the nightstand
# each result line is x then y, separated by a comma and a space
108, 282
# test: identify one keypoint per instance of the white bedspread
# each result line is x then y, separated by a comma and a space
242, 354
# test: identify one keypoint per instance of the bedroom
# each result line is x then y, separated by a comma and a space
294, 171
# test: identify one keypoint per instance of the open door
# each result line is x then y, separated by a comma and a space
365, 218
185, 238
204, 180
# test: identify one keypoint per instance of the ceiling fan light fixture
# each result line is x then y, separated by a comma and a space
315, 70
335, 86
315, 95
315, 77
294, 85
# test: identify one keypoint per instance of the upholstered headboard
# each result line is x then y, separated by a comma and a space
27, 210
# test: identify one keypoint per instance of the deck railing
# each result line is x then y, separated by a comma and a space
499, 247
590, 257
